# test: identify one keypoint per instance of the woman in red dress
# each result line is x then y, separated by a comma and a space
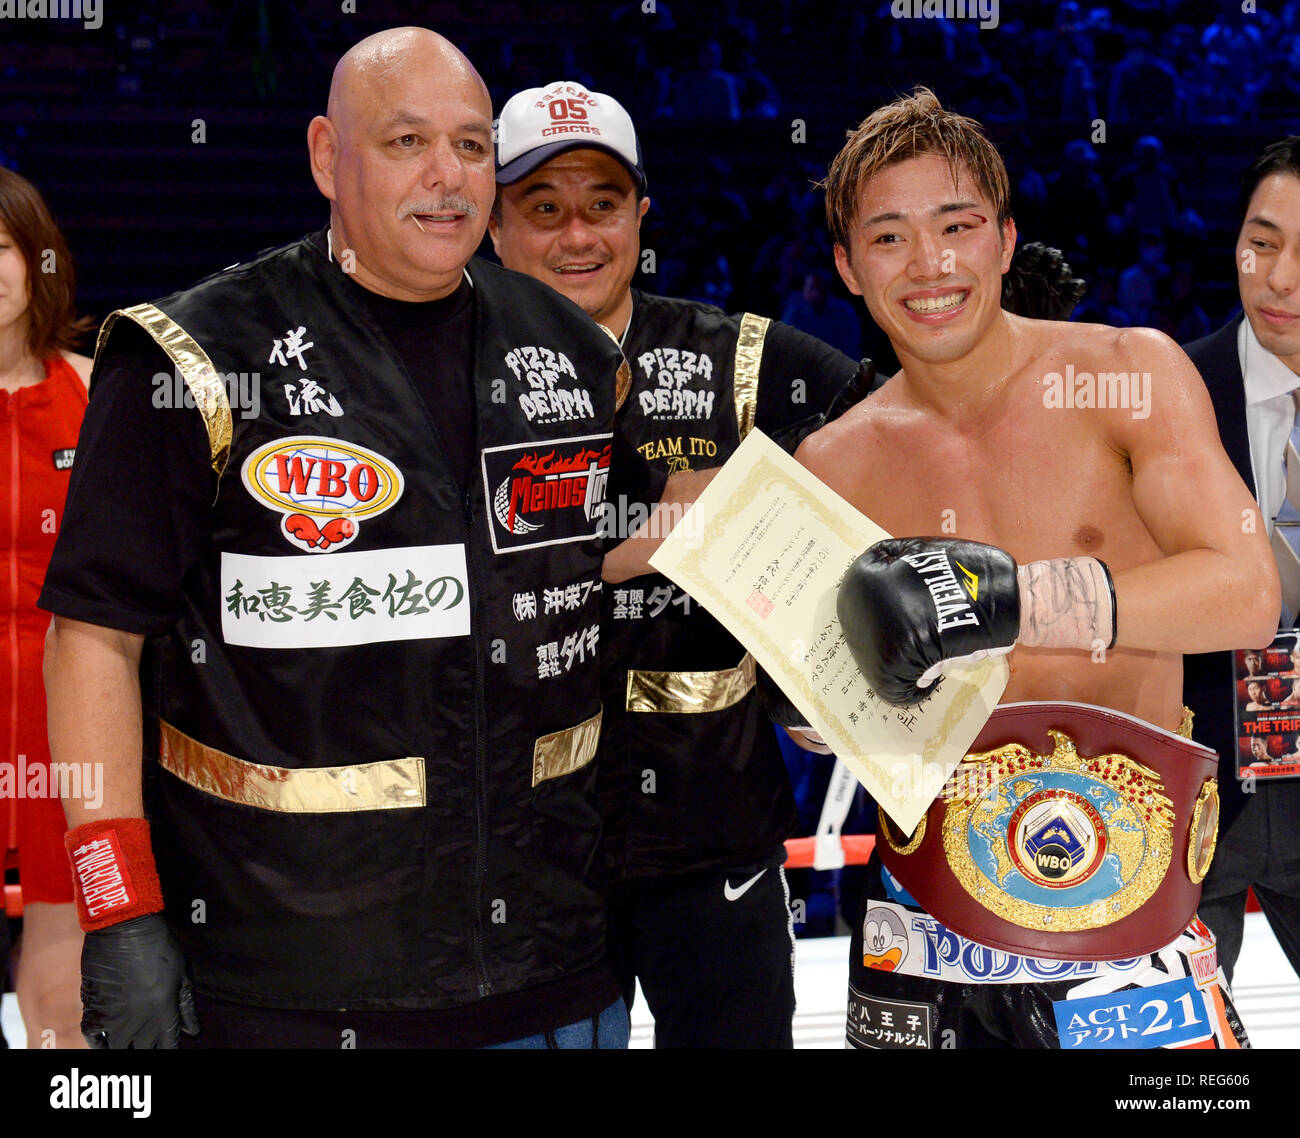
42, 400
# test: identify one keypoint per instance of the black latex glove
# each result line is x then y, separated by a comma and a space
134, 987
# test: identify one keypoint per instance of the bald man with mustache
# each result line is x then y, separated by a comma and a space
332, 563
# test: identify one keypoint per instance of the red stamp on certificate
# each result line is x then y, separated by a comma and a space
760, 604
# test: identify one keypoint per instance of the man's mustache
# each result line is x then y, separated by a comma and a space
451, 204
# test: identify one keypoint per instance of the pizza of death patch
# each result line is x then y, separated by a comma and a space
546, 493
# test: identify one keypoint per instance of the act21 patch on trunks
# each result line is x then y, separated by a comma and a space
546, 493
1164, 1015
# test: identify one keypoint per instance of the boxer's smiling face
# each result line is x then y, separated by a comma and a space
574, 223
1270, 294
927, 256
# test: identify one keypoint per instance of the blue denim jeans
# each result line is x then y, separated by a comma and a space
608, 1031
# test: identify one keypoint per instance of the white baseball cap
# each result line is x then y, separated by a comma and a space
537, 124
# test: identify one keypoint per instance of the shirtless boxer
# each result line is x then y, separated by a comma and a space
1030, 914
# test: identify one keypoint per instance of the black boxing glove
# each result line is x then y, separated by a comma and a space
1040, 283
853, 392
134, 988
909, 605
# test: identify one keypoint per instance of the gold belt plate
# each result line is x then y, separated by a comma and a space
1057, 842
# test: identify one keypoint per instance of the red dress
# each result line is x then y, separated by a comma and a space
38, 436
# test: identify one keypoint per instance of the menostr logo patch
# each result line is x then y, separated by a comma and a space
323, 487
546, 493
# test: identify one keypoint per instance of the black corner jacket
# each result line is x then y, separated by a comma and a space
374, 787
691, 776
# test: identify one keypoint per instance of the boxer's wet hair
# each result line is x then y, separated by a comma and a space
51, 309
1280, 157
909, 127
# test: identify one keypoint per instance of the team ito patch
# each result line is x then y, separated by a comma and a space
323, 488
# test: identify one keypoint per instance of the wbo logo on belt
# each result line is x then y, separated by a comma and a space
1058, 842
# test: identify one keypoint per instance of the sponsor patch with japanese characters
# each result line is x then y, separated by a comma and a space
415, 593
892, 1025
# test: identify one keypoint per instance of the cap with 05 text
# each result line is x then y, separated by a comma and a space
537, 124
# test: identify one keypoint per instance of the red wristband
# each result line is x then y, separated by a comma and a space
113, 872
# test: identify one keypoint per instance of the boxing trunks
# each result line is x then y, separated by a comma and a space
1047, 898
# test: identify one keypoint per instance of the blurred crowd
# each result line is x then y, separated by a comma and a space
1099, 110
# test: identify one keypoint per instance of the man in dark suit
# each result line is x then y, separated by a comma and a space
1252, 368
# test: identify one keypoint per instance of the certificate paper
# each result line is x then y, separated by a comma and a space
764, 549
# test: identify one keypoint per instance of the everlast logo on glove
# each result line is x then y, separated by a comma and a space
905, 611
949, 600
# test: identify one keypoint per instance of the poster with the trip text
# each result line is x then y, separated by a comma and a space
1267, 682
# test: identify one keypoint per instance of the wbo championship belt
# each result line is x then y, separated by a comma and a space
1068, 831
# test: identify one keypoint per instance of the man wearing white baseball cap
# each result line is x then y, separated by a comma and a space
696, 799
542, 123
